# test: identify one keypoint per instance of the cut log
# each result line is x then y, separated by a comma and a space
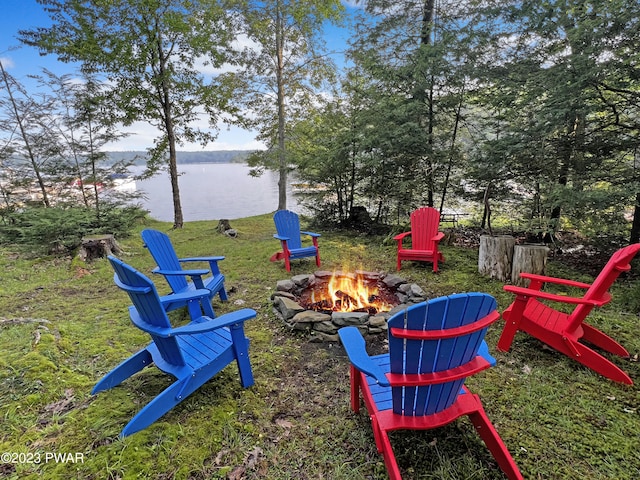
529, 259
98, 246
495, 256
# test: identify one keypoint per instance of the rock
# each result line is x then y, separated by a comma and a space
349, 318
416, 291
393, 281
309, 316
323, 274
326, 327
301, 280
285, 286
283, 294
377, 321
324, 337
287, 307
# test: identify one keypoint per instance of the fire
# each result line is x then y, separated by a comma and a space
350, 293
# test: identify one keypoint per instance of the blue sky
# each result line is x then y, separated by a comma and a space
21, 61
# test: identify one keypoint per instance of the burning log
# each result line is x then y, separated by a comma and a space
345, 298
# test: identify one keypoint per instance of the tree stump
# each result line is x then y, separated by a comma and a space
224, 227
495, 256
98, 246
529, 259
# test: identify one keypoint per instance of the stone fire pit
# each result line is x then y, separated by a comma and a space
323, 326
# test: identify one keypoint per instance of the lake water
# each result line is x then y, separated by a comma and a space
211, 191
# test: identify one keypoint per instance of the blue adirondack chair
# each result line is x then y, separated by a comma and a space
289, 234
419, 384
169, 266
193, 353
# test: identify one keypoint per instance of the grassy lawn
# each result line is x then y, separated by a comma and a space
64, 324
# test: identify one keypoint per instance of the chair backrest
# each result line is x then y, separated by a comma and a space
163, 253
147, 311
288, 225
459, 323
425, 222
619, 262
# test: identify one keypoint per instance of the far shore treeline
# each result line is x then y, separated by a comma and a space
209, 156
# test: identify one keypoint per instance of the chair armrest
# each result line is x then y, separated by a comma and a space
191, 273
559, 281
202, 259
206, 324
213, 262
200, 293
400, 236
280, 237
354, 345
311, 234
483, 351
438, 237
527, 292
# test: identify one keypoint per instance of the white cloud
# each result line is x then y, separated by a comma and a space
7, 62
142, 136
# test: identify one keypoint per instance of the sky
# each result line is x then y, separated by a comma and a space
21, 61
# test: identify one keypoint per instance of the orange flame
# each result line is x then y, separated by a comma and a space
350, 292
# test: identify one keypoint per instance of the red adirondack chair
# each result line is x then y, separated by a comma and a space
425, 237
419, 385
564, 331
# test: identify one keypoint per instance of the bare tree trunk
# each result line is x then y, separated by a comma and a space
178, 220
428, 17
635, 226
282, 157
451, 150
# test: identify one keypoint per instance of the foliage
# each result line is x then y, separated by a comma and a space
556, 128
60, 229
150, 52
64, 325
281, 72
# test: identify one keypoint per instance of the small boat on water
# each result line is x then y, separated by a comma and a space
123, 182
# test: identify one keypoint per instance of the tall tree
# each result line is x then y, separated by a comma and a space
29, 125
565, 133
282, 69
151, 52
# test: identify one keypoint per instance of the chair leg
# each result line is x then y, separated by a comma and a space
131, 365
197, 307
223, 294
156, 408
387, 453
512, 316
603, 341
494, 443
241, 351
596, 362
355, 388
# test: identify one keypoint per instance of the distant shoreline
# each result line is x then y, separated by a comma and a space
186, 157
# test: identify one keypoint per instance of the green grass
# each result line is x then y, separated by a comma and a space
64, 324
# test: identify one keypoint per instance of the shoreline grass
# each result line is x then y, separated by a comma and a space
64, 324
